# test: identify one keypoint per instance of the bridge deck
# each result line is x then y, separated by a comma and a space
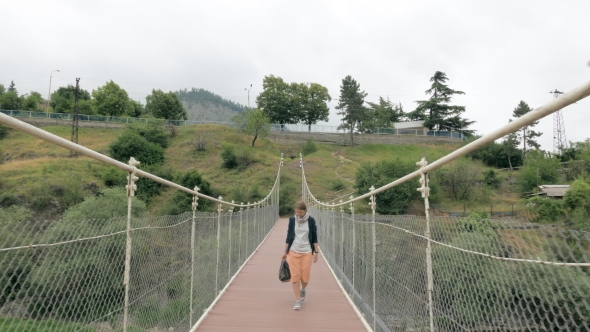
257, 301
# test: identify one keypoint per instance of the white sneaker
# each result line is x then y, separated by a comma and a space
297, 305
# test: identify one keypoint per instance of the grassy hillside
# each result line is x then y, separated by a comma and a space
44, 178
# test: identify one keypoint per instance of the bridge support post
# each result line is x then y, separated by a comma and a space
231, 212
219, 210
131, 188
425, 190
353, 246
373, 205
240, 235
341, 238
194, 207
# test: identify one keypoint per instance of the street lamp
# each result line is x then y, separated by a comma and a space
248, 94
49, 93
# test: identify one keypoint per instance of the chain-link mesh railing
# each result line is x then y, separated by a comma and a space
487, 275
68, 275
125, 274
406, 273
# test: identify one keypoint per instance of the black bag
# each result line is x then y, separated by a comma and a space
284, 272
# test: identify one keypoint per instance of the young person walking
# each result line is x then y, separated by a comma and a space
300, 250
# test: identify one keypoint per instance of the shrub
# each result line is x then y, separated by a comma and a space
459, 179
546, 209
539, 170
308, 147
95, 207
394, 200
113, 177
131, 144
338, 185
181, 201
3, 131
228, 156
147, 189
578, 196
490, 178
246, 157
152, 132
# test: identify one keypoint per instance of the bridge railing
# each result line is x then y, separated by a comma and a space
408, 273
129, 273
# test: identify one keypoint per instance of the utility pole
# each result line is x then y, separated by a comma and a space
49, 93
559, 140
75, 119
248, 95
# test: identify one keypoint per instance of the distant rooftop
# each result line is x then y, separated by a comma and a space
554, 190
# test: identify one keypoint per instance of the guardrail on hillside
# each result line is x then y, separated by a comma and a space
299, 128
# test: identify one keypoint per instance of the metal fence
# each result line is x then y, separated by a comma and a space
68, 275
125, 274
273, 127
487, 275
407, 273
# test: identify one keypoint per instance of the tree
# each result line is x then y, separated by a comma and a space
253, 122
12, 87
526, 135
11, 101
32, 101
383, 114
62, 100
110, 99
436, 111
182, 201
165, 105
538, 169
394, 200
135, 108
276, 101
351, 105
459, 179
313, 99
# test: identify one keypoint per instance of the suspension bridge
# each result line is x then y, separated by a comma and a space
217, 271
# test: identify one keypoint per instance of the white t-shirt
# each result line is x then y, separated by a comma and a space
301, 243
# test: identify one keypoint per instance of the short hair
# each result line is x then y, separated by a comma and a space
300, 206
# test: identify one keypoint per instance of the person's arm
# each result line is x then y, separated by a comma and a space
316, 246
284, 257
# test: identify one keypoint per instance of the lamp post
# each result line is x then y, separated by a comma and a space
49, 93
248, 94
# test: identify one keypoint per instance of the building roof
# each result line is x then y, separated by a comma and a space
554, 190
409, 125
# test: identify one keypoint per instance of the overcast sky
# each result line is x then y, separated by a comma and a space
498, 52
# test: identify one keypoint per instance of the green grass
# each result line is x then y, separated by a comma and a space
48, 325
36, 170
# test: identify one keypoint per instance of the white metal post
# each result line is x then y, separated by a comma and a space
342, 238
219, 210
373, 205
231, 211
353, 245
425, 190
240, 240
194, 206
131, 187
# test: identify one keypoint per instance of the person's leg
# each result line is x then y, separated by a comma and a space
296, 289
294, 260
306, 260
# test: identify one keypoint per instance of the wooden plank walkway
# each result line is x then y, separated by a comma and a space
258, 301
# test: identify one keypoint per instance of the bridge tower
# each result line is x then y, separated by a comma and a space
559, 140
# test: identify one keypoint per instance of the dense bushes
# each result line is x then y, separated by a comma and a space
394, 200
181, 202
3, 131
131, 144
308, 148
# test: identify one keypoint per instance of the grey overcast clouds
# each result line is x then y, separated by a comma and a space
498, 52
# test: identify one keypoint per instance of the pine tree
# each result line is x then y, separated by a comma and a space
526, 135
12, 88
351, 106
436, 112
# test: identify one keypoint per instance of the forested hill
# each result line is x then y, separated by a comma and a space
202, 105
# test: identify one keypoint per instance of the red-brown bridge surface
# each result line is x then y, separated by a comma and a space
258, 301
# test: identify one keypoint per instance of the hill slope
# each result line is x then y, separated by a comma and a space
202, 105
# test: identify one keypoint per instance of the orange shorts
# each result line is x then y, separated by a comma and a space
300, 266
